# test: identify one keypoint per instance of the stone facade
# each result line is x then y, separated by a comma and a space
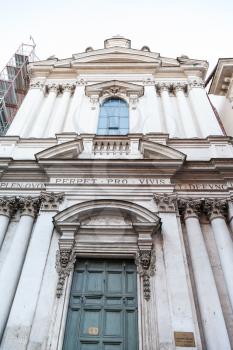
161, 195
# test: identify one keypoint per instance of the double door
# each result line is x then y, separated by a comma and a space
102, 311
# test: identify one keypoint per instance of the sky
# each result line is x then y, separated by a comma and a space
200, 29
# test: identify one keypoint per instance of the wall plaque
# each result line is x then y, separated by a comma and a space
93, 330
184, 339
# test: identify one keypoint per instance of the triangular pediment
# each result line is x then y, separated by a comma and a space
116, 55
114, 86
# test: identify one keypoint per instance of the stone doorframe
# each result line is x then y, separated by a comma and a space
105, 228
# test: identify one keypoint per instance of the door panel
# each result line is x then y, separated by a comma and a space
102, 311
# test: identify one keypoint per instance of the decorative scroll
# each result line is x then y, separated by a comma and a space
145, 261
65, 260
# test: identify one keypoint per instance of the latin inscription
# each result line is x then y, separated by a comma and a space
22, 185
110, 181
184, 339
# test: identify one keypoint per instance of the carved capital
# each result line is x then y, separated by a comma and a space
81, 82
215, 208
53, 88
8, 206
149, 81
145, 261
189, 207
163, 86
37, 85
179, 87
196, 84
166, 203
50, 201
65, 260
29, 205
67, 87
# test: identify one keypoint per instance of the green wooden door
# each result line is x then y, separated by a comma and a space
102, 311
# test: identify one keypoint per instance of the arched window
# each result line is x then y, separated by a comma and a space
114, 117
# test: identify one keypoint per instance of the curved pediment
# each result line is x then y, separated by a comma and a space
121, 212
66, 150
116, 55
154, 150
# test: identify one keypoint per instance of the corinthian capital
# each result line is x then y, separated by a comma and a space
179, 87
196, 84
67, 87
8, 205
50, 201
189, 207
166, 203
163, 86
29, 205
37, 85
53, 87
215, 208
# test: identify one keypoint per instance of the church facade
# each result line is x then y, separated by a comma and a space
116, 207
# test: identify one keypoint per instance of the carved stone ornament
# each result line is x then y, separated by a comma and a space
50, 200
166, 202
29, 205
215, 208
8, 206
189, 207
67, 87
164, 86
196, 84
81, 82
145, 261
37, 85
65, 260
114, 91
179, 86
52, 88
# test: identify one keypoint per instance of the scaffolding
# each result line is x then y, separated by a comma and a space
14, 84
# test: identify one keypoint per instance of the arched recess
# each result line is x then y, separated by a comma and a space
106, 228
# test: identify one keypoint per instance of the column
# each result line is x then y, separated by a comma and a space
152, 122
11, 270
213, 322
182, 318
57, 121
27, 110
203, 111
42, 118
230, 213
22, 311
8, 205
185, 112
215, 210
164, 89
72, 116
